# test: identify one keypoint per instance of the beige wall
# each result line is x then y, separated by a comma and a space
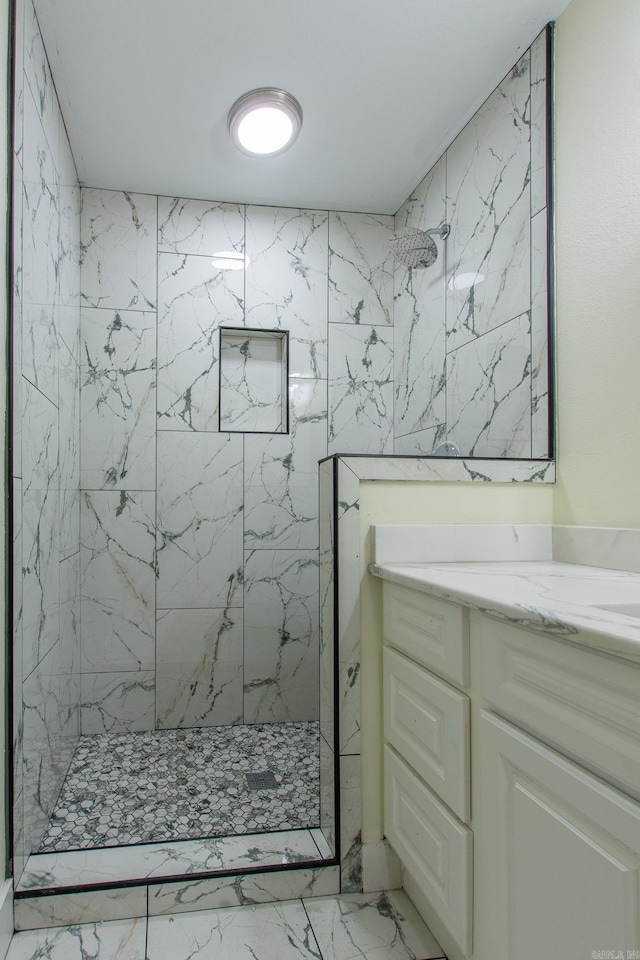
597, 91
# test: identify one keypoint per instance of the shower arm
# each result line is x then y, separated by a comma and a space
442, 232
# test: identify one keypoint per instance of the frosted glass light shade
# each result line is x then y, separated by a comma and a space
265, 122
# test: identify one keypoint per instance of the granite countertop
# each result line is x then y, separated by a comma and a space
555, 598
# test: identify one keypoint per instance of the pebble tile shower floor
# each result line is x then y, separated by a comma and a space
186, 784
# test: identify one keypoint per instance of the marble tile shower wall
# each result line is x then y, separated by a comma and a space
200, 547
470, 357
45, 468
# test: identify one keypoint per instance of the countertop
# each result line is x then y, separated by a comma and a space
546, 596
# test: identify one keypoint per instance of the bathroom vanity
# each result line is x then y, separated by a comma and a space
512, 755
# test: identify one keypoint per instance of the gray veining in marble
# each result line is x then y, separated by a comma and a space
281, 611
194, 299
118, 400
199, 520
119, 238
360, 389
286, 282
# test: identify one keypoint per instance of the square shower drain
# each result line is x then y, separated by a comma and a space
261, 780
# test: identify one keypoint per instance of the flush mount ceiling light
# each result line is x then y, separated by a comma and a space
265, 122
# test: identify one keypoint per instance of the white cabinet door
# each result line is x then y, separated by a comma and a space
558, 855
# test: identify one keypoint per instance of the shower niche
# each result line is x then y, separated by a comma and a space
254, 377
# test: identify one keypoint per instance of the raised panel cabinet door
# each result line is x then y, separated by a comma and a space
558, 854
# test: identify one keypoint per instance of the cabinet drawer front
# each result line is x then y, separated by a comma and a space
587, 704
433, 845
427, 722
431, 631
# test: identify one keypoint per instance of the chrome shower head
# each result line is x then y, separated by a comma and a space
417, 248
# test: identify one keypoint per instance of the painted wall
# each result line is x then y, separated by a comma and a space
45, 467
597, 94
470, 357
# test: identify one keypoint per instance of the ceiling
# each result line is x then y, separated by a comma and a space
385, 85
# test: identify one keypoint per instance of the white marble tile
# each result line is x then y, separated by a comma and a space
327, 799
198, 668
40, 348
40, 572
348, 564
68, 325
199, 520
422, 442
349, 707
540, 360
211, 894
360, 269
489, 393
38, 77
385, 926
253, 381
117, 702
450, 469
69, 449
70, 617
269, 931
118, 399
113, 940
40, 211
280, 475
43, 770
360, 389
281, 635
322, 843
194, 299
460, 542
95, 906
157, 860
69, 246
419, 364
351, 823
17, 320
327, 601
119, 238
199, 226
40, 242
488, 207
118, 581
539, 123
40, 450
286, 282
19, 80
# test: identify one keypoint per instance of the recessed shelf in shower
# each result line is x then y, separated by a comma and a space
253, 380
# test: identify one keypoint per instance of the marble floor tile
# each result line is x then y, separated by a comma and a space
154, 861
379, 926
114, 940
269, 931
